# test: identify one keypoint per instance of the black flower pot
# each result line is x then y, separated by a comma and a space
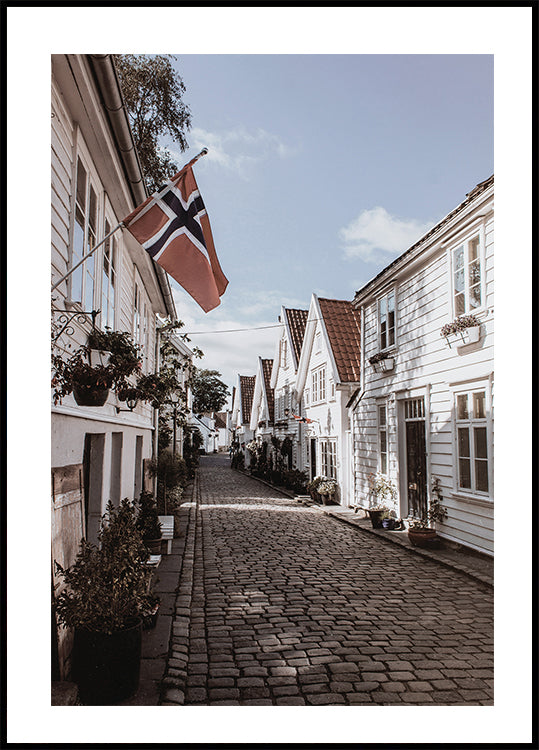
106, 667
87, 395
377, 516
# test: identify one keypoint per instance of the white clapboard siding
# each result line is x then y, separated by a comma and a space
425, 364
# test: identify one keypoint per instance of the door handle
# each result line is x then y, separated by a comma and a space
412, 486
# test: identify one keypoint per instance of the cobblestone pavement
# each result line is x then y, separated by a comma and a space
279, 604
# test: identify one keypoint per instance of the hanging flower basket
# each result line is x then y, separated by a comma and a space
89, 395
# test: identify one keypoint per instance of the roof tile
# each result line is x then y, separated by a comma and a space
267, 365
342, 323
297, 320
247, 390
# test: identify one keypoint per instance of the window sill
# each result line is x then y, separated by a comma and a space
484, 502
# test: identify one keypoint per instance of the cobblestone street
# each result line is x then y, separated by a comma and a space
279, 604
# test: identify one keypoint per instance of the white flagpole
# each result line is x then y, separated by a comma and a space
81, 261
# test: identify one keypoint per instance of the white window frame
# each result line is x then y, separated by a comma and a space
306, 396
318, 383
460, 389
385, 297
332, 390
84, 271
328, 457
283, 353
382, 433
111, 253
465, 242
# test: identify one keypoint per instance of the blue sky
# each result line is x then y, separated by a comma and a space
321, 169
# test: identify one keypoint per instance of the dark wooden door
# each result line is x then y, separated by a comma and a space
416, 462
313, 458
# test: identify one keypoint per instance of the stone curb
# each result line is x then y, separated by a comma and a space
465, 569
174, 683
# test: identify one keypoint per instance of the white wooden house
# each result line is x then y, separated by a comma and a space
262, 409
328, 375
241, 412
283, 383
98, 453
429, 413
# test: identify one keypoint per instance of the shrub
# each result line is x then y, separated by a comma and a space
106, 587
147, 518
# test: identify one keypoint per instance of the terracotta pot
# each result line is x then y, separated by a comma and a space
422, 537
87, 395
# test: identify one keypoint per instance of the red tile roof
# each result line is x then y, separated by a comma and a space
342, 323
267, 365
297, 320
247, 390
220, 420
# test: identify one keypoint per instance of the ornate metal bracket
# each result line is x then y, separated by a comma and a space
62, 320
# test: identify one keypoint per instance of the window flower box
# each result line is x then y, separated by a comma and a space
382, 362
462, 331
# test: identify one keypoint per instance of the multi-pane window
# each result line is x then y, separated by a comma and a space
84, 239
306, 396
332, 389
472, 445
386, 320
319, 385
137, 325
467, 276
328, 456
108, 280
382, 438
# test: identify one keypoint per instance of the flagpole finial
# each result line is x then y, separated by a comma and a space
204, 151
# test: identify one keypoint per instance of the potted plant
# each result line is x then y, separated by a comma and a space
103, 601
382, 491
90, 385
382, 361
89, 379
465, 328
421, 531
114, 348
327, 489
148, 523
312, 487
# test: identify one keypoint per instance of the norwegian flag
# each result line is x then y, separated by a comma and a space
173, 227
303, 419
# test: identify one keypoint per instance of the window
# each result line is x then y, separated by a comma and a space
332, 390
84, 239
283, 352
108, 280
328, 455
472, 441
382, 438
319, 385
137, 332
386, 320
307, 397
467, 276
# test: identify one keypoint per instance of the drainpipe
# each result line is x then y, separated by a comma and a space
109, 86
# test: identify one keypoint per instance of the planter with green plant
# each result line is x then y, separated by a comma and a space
327, 489
105, 595
148, 522
465, 329
312, 487
90, 378
382, 496
421, 531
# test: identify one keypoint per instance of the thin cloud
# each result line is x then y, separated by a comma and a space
238, 149
375, 234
